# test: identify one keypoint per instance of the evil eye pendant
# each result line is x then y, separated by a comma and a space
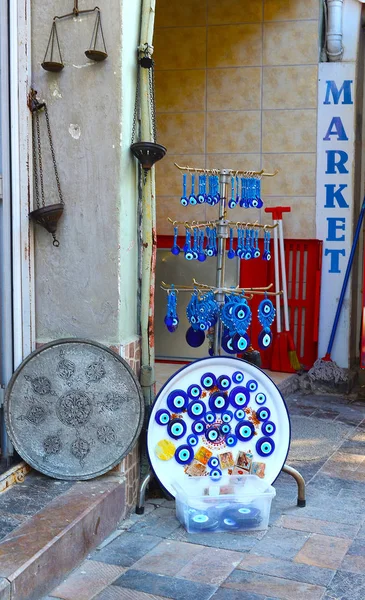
177, 401
237, 377
223, 382
245, 431
184, 455
192, 440
240, 414
225, 428
268, 428
231, 440
199, 427
212, 434
213, 462
208, 381
239, 397
218, 402
260, 398
215, 474
196, 409
176, 429
252, 385
194, 391
227, 416
265, 446
263, 414
162, 417
210, 417
265, 338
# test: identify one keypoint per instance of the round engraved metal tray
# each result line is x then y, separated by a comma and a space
74, 409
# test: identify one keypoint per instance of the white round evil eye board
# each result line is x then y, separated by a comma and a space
218, 416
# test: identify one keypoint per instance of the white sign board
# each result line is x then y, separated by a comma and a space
334, 213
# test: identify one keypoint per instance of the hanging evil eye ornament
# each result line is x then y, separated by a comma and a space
236, 317
266, 316
258, 192
187, 248
232, 202
239, 248
175, 248
231, 253
192, 197
209, 250
202, 189
171, 318
267, 254
244, 203
215, 190
195, 248
256, 250
184, 200
201, 253
209, 196
247, 255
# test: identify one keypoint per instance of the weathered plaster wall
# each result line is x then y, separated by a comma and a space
87, 287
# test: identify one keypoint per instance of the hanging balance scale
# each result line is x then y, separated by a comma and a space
147, 153
53, 61
46, 216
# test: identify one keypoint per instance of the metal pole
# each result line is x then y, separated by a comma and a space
222, 235
6, 286
301, 501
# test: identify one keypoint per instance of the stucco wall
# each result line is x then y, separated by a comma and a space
88, 286
236, 87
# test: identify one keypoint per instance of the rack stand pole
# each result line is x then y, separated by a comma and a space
300, 481
222, 235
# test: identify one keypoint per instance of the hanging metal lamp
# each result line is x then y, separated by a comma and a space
45, 215
146, 152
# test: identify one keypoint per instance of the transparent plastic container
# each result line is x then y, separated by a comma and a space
234, 503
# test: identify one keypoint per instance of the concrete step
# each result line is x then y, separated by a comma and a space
38, 554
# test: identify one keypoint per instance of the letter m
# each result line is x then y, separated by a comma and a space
345, 89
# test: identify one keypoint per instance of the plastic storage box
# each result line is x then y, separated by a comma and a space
234, 503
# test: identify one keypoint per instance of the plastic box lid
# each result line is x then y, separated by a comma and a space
247, 487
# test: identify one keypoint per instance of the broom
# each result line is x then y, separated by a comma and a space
327, 356
293, 357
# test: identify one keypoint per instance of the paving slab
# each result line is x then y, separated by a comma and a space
268, 565
277, 586
162, 585
126, 549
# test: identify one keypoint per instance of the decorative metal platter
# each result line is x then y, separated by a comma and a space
73, 409
216, 416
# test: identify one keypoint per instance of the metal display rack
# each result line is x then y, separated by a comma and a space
223, 225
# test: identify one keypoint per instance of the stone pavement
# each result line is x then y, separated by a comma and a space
311, 553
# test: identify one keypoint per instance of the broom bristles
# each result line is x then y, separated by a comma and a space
294, 361
293, 357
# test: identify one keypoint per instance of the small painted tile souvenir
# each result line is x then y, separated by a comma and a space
238, 471
165, 450
224, 490
258, 468
244, 461
226, 459
195, 469
203, 455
